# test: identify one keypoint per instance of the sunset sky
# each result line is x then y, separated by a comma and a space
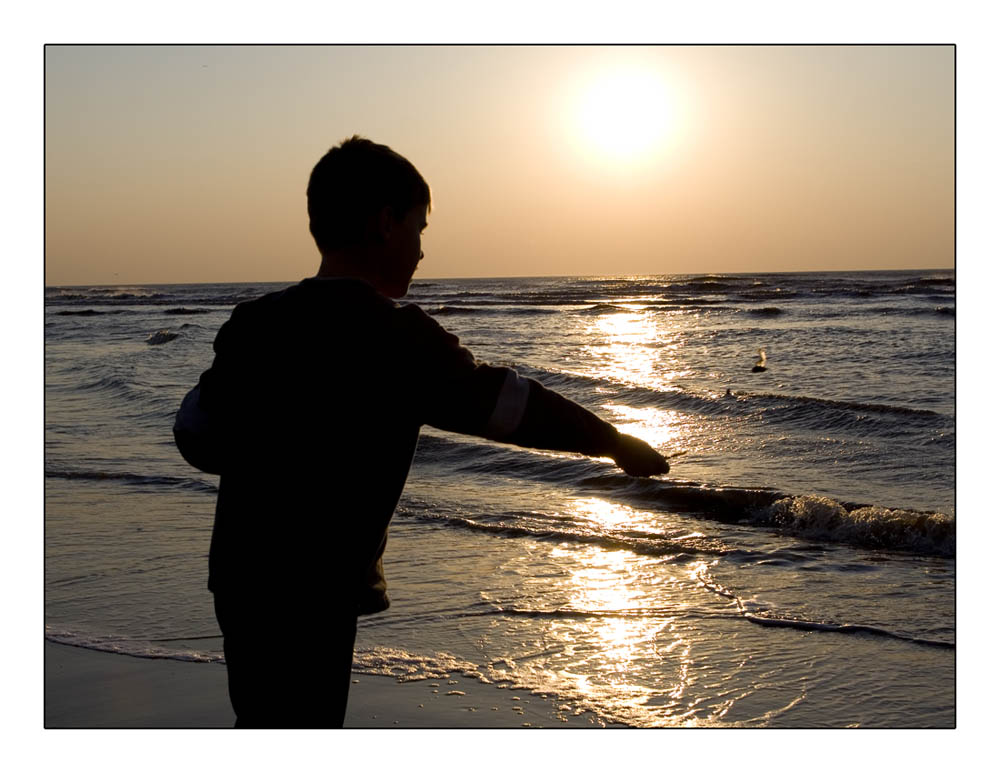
189, 164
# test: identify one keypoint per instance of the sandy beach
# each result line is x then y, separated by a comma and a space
89, 689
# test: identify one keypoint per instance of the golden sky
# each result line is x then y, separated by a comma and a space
189, 163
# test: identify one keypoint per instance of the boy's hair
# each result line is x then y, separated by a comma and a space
353, 182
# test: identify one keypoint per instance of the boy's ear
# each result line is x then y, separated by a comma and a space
385, 222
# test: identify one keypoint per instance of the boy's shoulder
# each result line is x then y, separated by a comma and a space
314, 294
315, 304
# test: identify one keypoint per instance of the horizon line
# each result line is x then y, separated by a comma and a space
417, 280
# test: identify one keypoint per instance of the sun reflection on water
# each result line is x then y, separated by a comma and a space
661, 429
603, 513
634, 347
616, 638
646, 350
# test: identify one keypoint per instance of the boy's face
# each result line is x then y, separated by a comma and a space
401, 251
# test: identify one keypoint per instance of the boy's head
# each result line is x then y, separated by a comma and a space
352, 184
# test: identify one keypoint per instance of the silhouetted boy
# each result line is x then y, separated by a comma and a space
311, 412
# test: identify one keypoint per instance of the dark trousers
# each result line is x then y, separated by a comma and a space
288, 659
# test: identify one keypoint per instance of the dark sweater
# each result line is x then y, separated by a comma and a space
311, 412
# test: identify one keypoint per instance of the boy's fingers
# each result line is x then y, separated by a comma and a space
638, 458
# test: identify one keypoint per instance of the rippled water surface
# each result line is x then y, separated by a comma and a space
796, 568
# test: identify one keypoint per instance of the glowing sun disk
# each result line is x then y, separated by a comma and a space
626, 113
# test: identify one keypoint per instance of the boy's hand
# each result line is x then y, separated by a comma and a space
637, 458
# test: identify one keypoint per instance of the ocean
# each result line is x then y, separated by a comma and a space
796, 568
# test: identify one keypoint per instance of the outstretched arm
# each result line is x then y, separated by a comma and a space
548, 420
456, 393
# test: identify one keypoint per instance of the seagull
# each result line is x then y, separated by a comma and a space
761, 366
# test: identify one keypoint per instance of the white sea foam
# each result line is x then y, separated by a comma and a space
136, 648
411, 667
820, 517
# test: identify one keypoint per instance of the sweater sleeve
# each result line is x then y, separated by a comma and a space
202, 429
455, 392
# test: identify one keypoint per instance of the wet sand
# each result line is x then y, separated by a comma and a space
89, 689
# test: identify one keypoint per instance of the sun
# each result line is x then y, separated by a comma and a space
625, 114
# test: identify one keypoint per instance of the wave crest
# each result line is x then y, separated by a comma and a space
869, 526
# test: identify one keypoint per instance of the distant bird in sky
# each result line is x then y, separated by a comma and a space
761, 365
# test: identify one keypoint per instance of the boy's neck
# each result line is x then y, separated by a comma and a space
343, 266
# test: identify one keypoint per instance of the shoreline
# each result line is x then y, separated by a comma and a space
89, 689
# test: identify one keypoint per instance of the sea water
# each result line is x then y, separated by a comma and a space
795, 569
